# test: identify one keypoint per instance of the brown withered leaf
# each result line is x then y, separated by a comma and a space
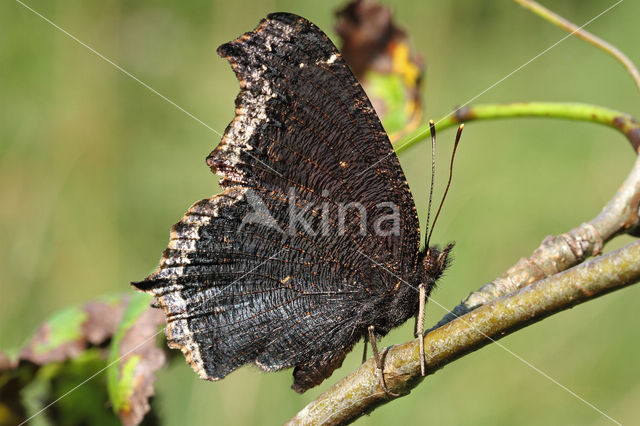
379, 54
136, 358
6, 362
367, 31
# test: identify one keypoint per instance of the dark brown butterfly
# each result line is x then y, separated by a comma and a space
241, 282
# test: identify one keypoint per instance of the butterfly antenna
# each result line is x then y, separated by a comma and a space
455, 147
432, 127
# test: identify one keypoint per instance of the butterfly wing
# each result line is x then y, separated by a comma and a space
270, 271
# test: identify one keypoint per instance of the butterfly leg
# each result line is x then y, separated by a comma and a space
379, 365
364, 352
420, 326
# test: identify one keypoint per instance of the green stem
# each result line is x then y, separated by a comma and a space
580, 32
569, 111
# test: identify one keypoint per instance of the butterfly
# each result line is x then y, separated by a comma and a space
314, 242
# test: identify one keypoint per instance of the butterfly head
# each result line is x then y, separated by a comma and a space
434, 262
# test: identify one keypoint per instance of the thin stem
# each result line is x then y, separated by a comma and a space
568, 111
585, 35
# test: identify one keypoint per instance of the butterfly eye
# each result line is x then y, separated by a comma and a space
431, 260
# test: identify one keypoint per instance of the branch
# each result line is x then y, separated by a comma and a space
358, 393
585, 35
626, 124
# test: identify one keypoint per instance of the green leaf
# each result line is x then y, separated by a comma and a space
133, 359
389, 90
64, 327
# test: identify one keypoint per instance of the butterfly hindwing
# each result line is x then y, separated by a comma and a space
260, 298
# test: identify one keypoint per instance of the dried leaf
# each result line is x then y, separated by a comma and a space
69, 348
379, 54
7, 362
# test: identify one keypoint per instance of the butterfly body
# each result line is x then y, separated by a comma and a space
315, 237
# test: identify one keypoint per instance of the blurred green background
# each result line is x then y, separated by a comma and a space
94, 168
